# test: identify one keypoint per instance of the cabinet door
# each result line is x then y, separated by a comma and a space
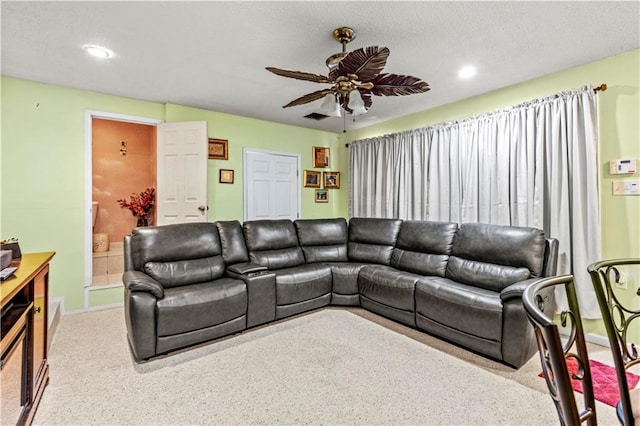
39, 325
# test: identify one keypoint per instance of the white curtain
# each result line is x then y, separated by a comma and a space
533, 164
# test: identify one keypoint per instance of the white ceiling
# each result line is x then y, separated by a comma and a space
212, 55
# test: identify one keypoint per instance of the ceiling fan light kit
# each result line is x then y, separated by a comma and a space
354, 77
330, 106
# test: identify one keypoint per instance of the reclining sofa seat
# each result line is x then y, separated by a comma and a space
477, 303
300, 286
330, 241
421, 249
176, 294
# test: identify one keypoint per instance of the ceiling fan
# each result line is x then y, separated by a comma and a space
354, 78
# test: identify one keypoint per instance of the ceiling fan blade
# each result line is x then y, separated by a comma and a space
366, 97
299, 75
309, 97
366, 63
397, 85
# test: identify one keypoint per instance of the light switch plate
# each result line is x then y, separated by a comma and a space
626, 187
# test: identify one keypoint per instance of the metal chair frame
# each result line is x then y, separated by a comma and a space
617, 320
554, 354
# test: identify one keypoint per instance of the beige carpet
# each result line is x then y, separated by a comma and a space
332, 366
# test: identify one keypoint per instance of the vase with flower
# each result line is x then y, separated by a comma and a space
140, 205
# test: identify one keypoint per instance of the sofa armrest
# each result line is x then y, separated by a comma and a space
515, 290
139, 281
245, 268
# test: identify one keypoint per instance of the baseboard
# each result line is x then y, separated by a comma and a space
53, 317
597, 339
103, 307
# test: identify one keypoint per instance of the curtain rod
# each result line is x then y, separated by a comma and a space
602, 88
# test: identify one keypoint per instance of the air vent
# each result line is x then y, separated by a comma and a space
316, 116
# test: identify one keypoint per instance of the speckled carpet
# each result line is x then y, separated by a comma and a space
332, 366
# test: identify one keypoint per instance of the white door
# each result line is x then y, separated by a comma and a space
182, 172
272, 189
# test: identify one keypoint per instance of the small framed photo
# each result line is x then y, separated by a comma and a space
331, 180
322, 196
218, 149
226, 176
312, 179
320, 156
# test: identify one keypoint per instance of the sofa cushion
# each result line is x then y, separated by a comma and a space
486, 275
345, 277
197, 306
464, 308
301, 283
273, 243
234, 250
184, 272
323, 240
501, 245
424, 247
182, 241
388, 286
372, 240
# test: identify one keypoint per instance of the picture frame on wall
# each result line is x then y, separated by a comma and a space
322, 196
312, 179
218, 149
226, 176
331, 180
320, 156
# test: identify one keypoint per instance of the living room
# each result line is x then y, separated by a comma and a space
43, 157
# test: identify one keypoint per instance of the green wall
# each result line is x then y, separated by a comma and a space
226, 201
42, 159
43, 171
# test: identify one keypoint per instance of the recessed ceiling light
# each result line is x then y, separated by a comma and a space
98, 51
467, 71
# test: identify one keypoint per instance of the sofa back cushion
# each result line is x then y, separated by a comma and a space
323, 240
178, 254
494, 256
234, 250
424, 247
273, 243
372, 240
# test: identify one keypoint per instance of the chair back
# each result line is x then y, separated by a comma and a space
622, 324
554, 354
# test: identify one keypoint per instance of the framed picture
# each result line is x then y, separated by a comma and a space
312, 179
331, 179
226, 176
322, 196
218, 149
320, 156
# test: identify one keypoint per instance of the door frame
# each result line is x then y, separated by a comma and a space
89, 115
245, 195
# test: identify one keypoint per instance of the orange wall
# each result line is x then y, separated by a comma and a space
117, 176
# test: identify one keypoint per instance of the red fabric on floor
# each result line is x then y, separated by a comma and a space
605, 384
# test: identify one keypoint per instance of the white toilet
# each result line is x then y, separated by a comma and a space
100, 240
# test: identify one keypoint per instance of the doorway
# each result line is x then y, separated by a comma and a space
120, 160
272, 185
123, 163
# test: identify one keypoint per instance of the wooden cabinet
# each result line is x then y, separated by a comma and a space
24, 371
